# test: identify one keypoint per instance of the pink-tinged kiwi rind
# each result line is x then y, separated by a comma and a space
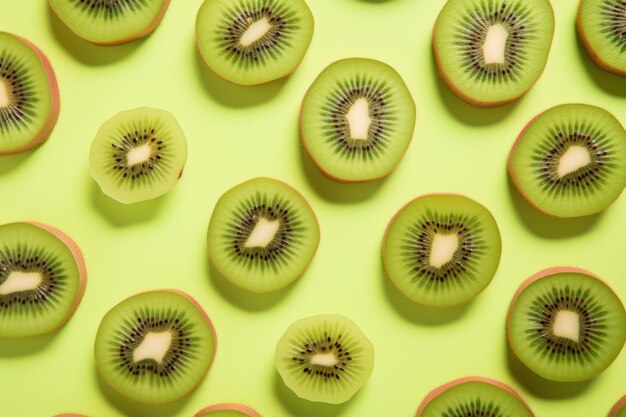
244, 409
621, 403
70, 415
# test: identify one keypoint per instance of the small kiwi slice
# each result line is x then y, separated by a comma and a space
357, 120
227, 410
262, 235
110, 22
619, 409
70, 415
602, 28
570, 161
250, 42
155, 347
138, 155
42, 279
491, 52
474, 397
566, 325
442, 249
29, 95
324, 358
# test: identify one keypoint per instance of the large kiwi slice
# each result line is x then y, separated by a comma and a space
262, 235
324, 358
110, 22
155, 347
491, 52
250, 42
602, 28
29, 95
474, 397
138, 155
566, 325
357, 120
227, 410
619, 409
42, 279
570, 161
442, 250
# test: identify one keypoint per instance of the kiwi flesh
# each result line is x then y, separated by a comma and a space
29, 95
155, 347
227, 410
570, 161
602, 28
491, 52
619, 409
565, 324
474, 397
110, 22
42, 279
138, 155
442, 249
357, 120
251, 42
324, 358
262, 235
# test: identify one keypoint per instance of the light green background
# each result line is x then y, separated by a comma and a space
237, 133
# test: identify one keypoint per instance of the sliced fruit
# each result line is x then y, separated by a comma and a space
227, 410
619, 409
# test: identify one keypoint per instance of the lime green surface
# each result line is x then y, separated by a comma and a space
235, 134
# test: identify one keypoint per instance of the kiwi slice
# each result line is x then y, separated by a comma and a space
570, 161
138, 155
442, 249
474, 397
262, 235
357, 120
602, 28
155, 347
619, 409
491, 52
565, 324
227, 410
110, 22
70, 415
29, 95
250, 42
324, 358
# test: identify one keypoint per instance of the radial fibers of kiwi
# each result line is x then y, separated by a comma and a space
227, 410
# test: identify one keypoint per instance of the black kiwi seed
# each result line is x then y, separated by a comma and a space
325, 345
19, 112
109, 8
474, 408
614, 21
130, 141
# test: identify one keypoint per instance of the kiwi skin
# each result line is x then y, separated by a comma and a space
591, 51
621, 403
70, 415
55, 105
437, 391
234, 407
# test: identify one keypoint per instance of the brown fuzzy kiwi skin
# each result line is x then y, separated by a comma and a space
55, 105
438, 391
393, 219
621, 403
144, 32
244, 409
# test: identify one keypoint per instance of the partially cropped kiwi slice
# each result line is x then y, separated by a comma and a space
155, 347
357, 120
42, 279
324, 358
250, 42
566, 325
619, 409
110, 22
262, 235
491, 52
29, 95
70, 415
138, 155
474, 397
442, 250
227, 410
570, 161
602, 27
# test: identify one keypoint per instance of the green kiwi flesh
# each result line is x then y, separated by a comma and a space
442, 250
227, 410
155, 347
324, 358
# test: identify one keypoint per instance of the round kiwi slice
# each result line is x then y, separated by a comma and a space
110, 22
566, 325
250, 42
602, 28
491, 52
474, 397
70, 415
262, 235
227, 410
138, 155
29, 95
357, 120
570, 161
42, 279
442, 249
324, 358
619, 409
155, 347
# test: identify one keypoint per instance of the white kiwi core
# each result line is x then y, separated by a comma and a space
442, 249
566, 324
573, 159
5, 94
262, 234
494, 48
359, 119
153, 346
324, 359
18, 281
255, 32
138, 155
